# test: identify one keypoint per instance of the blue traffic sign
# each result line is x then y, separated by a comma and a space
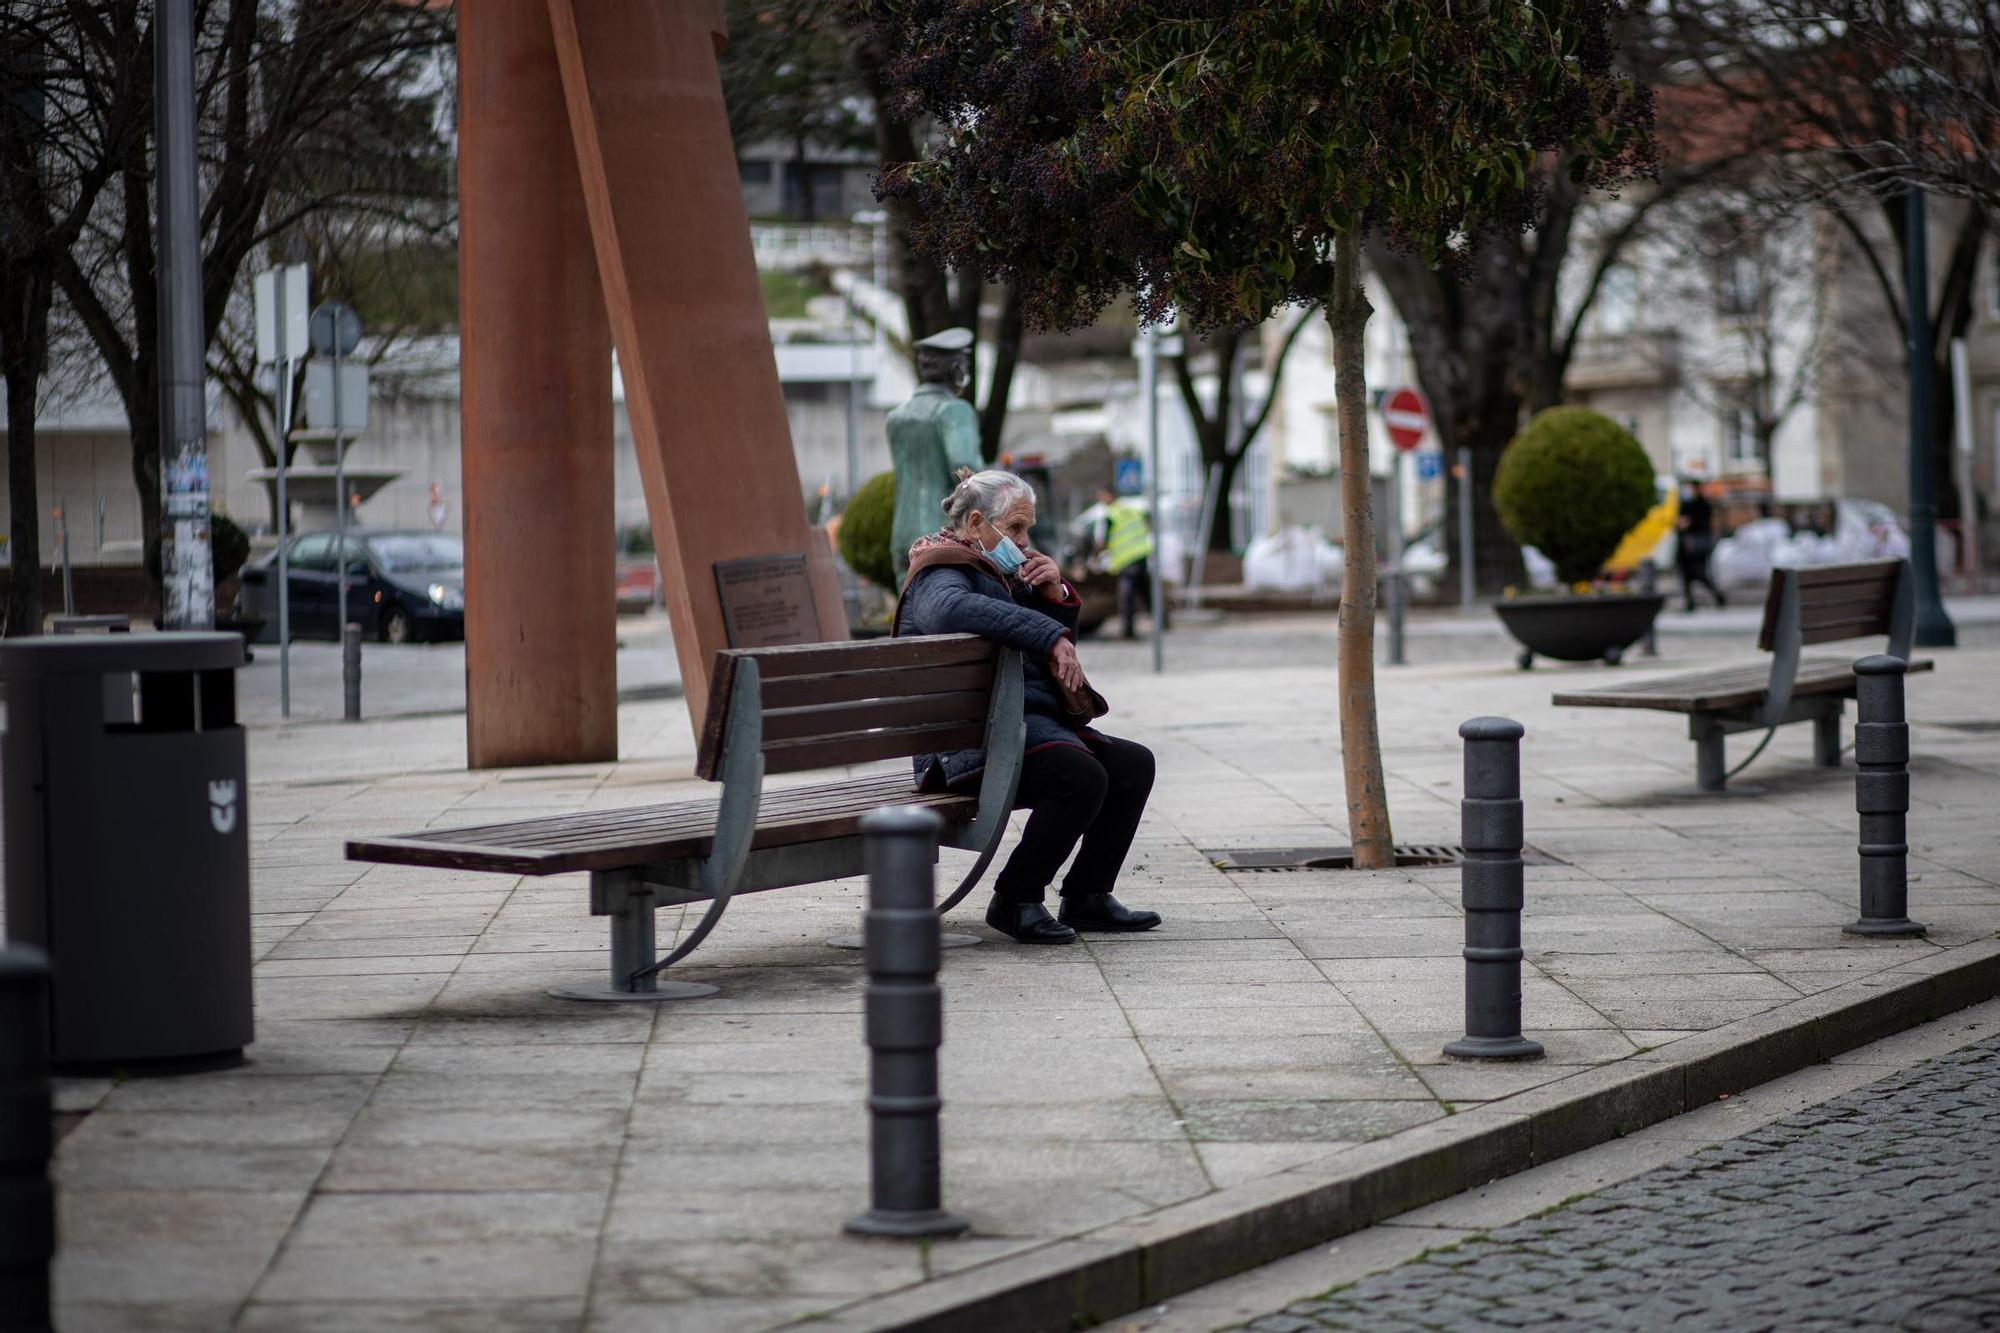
1130, 478
1430, 465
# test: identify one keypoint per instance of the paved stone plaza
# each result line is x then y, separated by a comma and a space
1873, 1210
424, 1139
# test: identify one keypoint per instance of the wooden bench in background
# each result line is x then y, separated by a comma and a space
771, 710
1802, 607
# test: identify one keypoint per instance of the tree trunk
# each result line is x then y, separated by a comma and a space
1360, 737
1006, 355
1222, 536
801, 179
26, 301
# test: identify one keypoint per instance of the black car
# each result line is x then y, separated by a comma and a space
402, 587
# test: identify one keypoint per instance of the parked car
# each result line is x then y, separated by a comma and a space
638, 586
403, 587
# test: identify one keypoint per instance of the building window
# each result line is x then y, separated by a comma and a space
1739, 284
754, 173
1617, 302
1739, 439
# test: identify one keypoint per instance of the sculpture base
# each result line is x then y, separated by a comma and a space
1494, 1048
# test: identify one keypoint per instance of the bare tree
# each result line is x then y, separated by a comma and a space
1744, 283
1225, 430
1865, 98
305, 111
52, 117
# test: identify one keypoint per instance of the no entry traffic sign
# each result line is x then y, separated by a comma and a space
1407, 418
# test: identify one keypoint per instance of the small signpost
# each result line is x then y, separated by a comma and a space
1408, 420
1407, 417
281, 341
1409, 423
336, 332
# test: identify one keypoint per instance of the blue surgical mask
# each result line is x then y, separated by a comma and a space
1007, 555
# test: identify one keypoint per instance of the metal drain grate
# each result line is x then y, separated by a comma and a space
1262, 859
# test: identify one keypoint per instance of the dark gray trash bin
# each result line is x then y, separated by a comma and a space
128, 849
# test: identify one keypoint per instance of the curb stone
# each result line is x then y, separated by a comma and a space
1116, 1269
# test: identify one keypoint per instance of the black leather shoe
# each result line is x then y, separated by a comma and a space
1027, 923
1101, 911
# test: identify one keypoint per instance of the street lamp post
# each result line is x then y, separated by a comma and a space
1934, 628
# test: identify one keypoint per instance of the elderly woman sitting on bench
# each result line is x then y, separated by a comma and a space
979, 576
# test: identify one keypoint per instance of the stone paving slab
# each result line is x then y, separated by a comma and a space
691, 1165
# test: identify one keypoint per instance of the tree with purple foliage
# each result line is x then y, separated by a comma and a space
1219, 159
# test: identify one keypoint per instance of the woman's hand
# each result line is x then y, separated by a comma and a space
1039, 571
1062, 660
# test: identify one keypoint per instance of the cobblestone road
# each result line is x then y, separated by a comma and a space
1878, 1209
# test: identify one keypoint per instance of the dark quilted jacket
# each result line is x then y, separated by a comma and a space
968, 599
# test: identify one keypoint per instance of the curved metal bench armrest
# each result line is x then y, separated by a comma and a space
736, 817
1785, 648
1006, 747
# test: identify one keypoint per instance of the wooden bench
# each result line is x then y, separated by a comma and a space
1802, 607
771, 710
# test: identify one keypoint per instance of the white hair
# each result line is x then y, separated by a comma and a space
992, 493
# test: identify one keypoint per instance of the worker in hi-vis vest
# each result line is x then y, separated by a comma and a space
1122, 537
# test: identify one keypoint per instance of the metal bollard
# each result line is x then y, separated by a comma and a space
350, 669
27, 1140
1649, 583
1882, 798
1490, 888
905, 1027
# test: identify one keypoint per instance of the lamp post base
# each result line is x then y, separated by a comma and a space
1894, 925
1494, 1048
908, 1226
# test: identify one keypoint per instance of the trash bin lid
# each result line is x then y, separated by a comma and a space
94, 654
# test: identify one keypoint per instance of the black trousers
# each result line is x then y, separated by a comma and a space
1135, 589
1094, 796
1694, 569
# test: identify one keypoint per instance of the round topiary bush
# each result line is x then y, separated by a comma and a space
1571, 485
865, 530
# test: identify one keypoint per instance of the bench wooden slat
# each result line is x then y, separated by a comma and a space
1873, 609
895, 668
681, 829
1837, 631
861, 747
1711, 691
583, 825
853, 686
795, 724
1865, 571
922, 652
1827, 590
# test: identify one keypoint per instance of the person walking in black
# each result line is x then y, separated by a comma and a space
1697, 542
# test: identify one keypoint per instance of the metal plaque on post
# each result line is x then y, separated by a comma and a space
767, 601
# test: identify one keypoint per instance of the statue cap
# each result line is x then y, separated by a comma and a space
948, 340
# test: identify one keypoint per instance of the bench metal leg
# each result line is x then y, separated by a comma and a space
1711, 768
624, 896
1826, 736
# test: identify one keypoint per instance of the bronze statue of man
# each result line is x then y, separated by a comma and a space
930, 438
